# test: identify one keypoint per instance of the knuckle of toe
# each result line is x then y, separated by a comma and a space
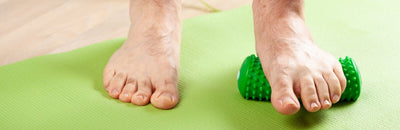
131, 80
336, 91
335, 80
140, 93
326, 98
337, 86
170, 80
144, 82
327, 71
319, 81
308, 89
331, 79
282, 82
120, 75
146, 94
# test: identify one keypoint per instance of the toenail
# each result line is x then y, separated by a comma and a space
326, 102
287, 101
167, 96
314, 105
126, 95
115, 92
336, 98
141, 97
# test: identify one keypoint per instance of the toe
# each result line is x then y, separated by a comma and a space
340, 75
166, 96
107, 77
142, 95
129, 89
334, 86
323, 92
116, 85
283, 98
309, 95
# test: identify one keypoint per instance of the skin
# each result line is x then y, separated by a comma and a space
145, 69
292, 62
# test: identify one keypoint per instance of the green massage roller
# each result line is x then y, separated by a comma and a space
253, 84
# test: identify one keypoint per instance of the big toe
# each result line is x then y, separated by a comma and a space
283, 98
116, 85
164, 101
285, 104
165, 98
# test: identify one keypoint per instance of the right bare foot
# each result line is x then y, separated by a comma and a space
145, 69
292, 62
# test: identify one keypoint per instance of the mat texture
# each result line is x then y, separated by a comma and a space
65, 91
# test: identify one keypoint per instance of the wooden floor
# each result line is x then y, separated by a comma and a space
30, 28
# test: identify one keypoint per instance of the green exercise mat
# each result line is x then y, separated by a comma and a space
65, 91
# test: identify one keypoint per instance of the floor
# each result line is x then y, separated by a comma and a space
30, 28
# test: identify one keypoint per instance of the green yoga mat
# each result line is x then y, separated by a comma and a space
65, 91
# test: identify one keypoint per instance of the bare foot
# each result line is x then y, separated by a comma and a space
292, 63
145, 69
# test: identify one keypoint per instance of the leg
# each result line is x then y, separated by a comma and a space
146, 67
292, 62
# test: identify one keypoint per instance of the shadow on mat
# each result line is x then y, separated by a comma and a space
245, 114
305, 119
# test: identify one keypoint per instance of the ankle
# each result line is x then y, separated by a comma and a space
155, 10
155, 19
